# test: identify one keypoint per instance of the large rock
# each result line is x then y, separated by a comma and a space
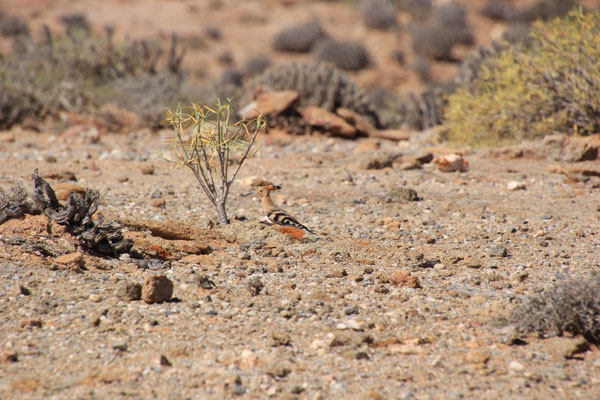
269, 103
156, 289
332, 123
361, 123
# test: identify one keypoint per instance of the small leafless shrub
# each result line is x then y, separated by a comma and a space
432, 41
422, 68
451, 14
346, 55
300, 38
378, 14
571, 305
499, 10
256, 65
13, 26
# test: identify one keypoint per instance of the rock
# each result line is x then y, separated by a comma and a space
561, 348
164, 361
332, 123
31, 323
269, 104
129, 291
156, 289
392, 134
255, 285
367, 145
498, 251
158, 202
402, 277
118, 119
477, 358
580, 148
451, 163
402, 195
425, 158
248, 359
119, 344
95, 298
376, 160
516, 366
516, 185
280, 338
255, 181
70, 259
62, 190
362, 124
408, 164
148, 169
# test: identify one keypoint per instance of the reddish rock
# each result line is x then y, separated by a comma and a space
581, 148
62, 190
392, 134
361, 123
451, 163
402, 277
70, 259
158, 202
156, 289
269, 103
334, 124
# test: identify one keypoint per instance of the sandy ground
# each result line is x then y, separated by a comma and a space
392, 298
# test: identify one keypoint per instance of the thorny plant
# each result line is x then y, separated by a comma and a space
207, 140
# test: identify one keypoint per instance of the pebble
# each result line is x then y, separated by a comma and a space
516, 185
156, 289
129, 291
403, 277
516, 366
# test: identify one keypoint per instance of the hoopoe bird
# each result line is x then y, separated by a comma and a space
274, 214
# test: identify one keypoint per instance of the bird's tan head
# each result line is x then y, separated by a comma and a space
265, 190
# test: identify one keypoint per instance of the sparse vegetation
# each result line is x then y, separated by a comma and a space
300, 38
206, 140
321, 85
571, 306
499, 10
346, 55
432, 41
378, 14
524, 93
76, 72
256, 65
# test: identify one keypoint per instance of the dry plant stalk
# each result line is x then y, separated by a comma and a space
205, 140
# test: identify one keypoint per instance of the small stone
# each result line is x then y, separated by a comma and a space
31, 323
49, 158
255, 285
516, 366
367, 145
158, 202
164, 361
351, 310
248, 359
148, 169
10, 357
361, 355
68, 259
407, 165
402, 277
516, 185
477, 357
337, 273
119, 344
498, 251
95, 298
156, 289
129, 291
280, 338
451, 163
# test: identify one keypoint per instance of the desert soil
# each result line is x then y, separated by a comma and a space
394, 297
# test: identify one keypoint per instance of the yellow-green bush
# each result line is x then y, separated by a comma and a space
553, 86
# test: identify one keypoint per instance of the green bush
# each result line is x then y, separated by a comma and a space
521, 93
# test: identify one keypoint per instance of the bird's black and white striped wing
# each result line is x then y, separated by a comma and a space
282, 218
